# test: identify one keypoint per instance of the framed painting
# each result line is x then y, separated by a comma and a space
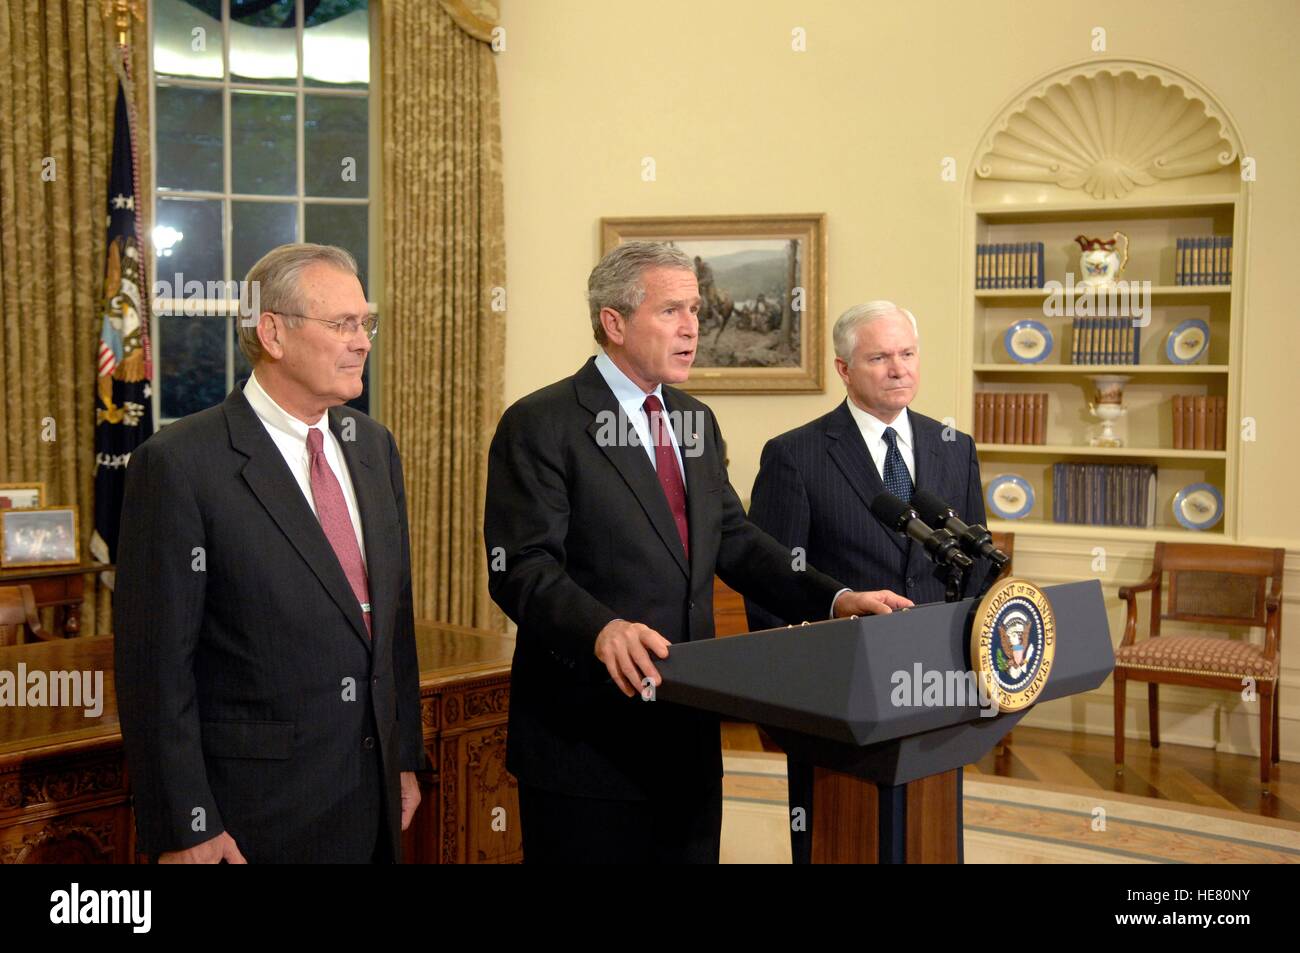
763, 289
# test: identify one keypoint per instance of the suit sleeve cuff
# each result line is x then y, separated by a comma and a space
835, 598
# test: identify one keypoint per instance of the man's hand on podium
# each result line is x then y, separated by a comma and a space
212, 851
880, 602
622, 646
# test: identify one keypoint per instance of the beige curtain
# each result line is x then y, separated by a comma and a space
444, 270
58, 87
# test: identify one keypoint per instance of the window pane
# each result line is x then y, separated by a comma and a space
256, 228
189, 139
263, 150
336, 45
180, 51
193, 363
263, 42
342, 225
336, 146
187, 242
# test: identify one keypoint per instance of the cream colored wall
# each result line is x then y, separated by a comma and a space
857, 127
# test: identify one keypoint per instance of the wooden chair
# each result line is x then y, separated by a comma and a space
1221, 585
18, 608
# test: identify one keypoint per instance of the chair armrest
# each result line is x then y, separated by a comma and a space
1272, 625
1129, 595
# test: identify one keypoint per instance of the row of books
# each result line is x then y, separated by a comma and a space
1203, 261
1104, 494
1010, 418
1105, 341
1200, 423
1013, 265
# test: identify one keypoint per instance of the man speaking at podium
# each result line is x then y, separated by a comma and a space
816, 483
608, 513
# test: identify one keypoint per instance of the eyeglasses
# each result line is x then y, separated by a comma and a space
345, 329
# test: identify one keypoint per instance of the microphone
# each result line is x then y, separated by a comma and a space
974, 539
940, 545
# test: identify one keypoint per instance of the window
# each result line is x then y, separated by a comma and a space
262, 124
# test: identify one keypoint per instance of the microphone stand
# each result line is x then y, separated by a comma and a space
954, 584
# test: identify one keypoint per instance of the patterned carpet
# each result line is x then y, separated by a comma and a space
1024, 822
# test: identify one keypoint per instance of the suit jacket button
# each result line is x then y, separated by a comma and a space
909, 582
374, 680
368, 744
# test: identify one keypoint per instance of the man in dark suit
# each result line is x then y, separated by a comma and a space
815, 484
265, 653
608, 513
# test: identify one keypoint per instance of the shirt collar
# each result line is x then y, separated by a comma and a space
874, 428
273, 415
626, 392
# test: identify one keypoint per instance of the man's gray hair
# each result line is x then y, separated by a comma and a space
845, 333
276, 280
616, 281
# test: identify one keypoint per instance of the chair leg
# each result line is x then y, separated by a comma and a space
1277, 707
1153, 712
1120, 684
1266, 724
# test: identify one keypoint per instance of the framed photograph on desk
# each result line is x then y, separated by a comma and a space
43, 536
21, 496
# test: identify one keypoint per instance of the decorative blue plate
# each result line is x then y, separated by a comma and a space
1028, 341
1188, 342
1010, 497
1198, 506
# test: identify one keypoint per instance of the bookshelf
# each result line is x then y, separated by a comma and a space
1025, 187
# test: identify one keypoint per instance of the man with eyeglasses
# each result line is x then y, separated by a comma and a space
265, 652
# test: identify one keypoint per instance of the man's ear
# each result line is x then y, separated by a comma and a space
613, 323
842, 368
268, 334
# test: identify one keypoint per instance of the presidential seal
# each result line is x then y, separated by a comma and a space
1013, 642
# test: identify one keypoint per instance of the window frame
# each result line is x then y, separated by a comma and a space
223, 308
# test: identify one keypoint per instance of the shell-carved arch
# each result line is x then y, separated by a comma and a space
1107, 127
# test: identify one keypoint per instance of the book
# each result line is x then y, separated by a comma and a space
1178, 422
1199, 431
1017, 411
1040, 420
988, 418
999, 418
1221, 423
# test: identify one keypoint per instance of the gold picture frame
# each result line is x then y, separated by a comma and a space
22, 491
41, 536
759, 334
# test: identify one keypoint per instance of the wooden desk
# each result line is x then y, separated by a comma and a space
59, 587
64, 794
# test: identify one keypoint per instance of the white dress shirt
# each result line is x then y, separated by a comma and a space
873, 432
290, 436
632, 399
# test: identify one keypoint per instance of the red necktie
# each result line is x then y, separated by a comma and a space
667, 469
332, 511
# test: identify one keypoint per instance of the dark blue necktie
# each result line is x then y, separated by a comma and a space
897, 480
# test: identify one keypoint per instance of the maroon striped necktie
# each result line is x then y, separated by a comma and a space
332, 511
667, 468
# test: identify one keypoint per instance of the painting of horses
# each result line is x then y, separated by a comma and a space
762, 285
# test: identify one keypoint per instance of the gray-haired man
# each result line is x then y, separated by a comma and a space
265, 649
609, 501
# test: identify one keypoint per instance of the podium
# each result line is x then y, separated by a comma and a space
848, 698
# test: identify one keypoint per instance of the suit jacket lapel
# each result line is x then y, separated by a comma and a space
850, 453
631, 462
926, 437
275, 487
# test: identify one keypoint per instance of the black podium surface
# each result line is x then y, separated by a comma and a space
826, 691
